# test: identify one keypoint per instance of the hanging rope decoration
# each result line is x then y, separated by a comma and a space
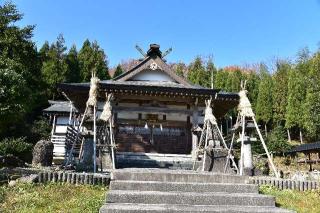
244, 106
106, 113
93, 93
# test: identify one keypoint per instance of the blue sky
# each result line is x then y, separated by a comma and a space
234, 32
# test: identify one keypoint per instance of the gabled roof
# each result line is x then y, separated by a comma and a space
145, 65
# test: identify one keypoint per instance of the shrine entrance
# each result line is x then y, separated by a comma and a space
153, 138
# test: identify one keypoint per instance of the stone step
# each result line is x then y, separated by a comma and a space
151, 163
166, 175
157, 208
190, 198
182, 186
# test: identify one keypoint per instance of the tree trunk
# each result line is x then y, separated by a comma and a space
289, 137
265, 130
300, 133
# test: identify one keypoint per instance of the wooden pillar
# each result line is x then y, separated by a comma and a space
193, 126
310, 164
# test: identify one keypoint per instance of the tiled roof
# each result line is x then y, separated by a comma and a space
306, 147
59, 106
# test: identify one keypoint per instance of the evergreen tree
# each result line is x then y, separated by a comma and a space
180, 69
233, 81
197, 74
20, 77
264, 101
220, 82
297, 88
280, 91
118, 71
252, 86
92, 59
73, 73
55, 68
44, 50
312, 103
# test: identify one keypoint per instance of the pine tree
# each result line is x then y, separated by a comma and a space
118, 71
280, 91
312, 103
264, 101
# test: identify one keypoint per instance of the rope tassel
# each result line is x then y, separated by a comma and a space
107, 109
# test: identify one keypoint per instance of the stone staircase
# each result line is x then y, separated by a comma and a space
154, 160
159, 190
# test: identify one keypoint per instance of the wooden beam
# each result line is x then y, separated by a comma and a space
152, 110
142, 122
134, 98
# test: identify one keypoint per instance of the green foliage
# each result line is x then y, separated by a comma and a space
92, 59
40, 130
20, 78
180, 69
118, 71
54, 68
264, 100
312, 103
53, 197
233, 81
17, 147
302, 202
221, 79
73, 73
280, 91
197, 73
296, 98
276, 140
212, 71
252, 86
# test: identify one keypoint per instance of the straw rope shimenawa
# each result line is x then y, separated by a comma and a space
106, 113
244, 107
208, 116
93, 93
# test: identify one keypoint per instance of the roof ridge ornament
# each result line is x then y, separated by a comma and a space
154, 50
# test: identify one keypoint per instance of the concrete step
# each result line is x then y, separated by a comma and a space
182, 186
157, 208
190, 198
166, 175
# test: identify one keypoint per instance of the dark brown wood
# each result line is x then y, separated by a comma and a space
156, 110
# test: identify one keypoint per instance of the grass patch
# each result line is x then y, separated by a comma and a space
51, 197
302, 202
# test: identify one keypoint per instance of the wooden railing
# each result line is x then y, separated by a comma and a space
63, 143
